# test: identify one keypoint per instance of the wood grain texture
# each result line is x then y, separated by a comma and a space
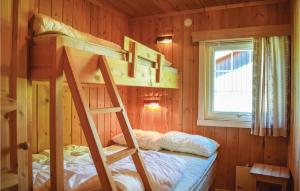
88, 17
179, 111
294, 142
139, 8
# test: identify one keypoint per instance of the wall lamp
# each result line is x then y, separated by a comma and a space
164, 39
152, 103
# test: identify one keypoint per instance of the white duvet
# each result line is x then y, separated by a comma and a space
80, 174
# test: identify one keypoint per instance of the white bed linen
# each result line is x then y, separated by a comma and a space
80, 173
195, 171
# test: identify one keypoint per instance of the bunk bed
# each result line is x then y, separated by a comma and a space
134, 65
58, 51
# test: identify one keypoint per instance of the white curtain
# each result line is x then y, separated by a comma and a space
271, 60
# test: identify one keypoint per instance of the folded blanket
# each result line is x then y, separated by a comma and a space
80, 174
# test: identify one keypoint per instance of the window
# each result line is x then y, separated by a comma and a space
226, 83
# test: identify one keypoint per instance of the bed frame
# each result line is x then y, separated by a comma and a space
135, 65
58, 58
207, 182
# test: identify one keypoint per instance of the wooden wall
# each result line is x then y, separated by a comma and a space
14, 31
238, 147
294, 142
98, 20
179, 107
97, 97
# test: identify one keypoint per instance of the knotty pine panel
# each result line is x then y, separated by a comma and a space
106, 124
180, 107
85, 16
99, 21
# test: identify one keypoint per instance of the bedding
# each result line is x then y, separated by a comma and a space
80, 173
183, 142
43, 24
146, 139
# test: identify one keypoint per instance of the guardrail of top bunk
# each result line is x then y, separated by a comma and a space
136, 49
145, 56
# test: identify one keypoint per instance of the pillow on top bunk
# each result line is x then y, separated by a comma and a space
146, 139
183, 142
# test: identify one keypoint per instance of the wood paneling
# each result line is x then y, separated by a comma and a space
86, 16
179, 107
14, 21
138, 8
97, 97
102, 22
294, 143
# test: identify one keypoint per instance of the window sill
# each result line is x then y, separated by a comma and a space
216, 123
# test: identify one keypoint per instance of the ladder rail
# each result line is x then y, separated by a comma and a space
88, 125
101, 161
123, 120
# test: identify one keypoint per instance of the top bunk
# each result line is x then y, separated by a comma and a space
134, 64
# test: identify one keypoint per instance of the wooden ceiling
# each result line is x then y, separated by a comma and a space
139, 8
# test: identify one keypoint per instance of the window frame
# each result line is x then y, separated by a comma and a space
206, 79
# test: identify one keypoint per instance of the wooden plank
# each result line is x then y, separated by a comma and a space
101, 118
8, 180
106, 110
244, 154
212, 9
294, 139
187, 78
76, 126
93, 97
7, 105
43, 121
45, 7
34, 123
120, 155
68, 12
244, 32
56, 121
57, 9
89, 127
86, 91
107, 119
123, 120
133, 62
67, 116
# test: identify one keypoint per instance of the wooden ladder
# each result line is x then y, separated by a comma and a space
89, 129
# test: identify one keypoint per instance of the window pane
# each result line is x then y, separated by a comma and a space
232, 84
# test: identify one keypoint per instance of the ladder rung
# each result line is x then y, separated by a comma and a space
106, 110
8, 180
120, 155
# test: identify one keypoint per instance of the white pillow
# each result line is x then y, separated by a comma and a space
145, 139
183, 142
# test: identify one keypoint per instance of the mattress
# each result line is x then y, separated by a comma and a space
43, 24
195, 171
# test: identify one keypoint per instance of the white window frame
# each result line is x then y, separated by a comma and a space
205, 117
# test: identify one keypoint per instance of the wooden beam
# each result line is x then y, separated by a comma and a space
56, 122
133, 61
88, 125
123, 120
8, 180
245, 32
120, 155
214, 8
106, 110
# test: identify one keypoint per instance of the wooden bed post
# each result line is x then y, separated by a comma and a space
133, 61
56, 125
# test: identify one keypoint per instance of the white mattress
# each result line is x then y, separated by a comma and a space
195, 170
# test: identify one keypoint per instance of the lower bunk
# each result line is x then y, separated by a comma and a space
169, 170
